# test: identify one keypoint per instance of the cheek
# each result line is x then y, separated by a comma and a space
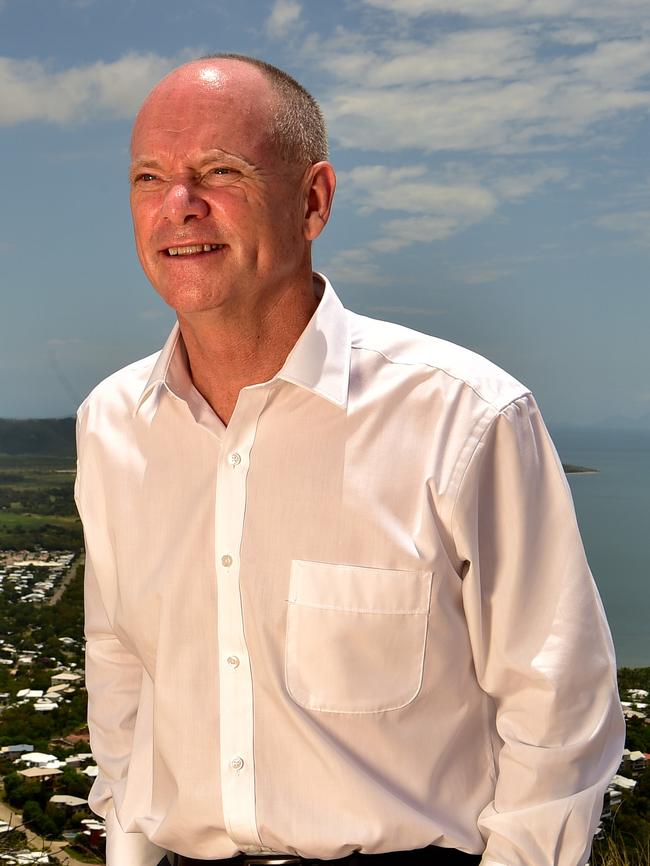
144, 216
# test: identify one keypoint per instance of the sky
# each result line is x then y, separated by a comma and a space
493, 181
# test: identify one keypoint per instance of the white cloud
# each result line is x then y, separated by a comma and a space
437, 207
33, 92
458, 7
528, 9
400, 233
283, 18
458, 56
355, 266
635, 224
513, 187
495, 89
477, 275
377, 187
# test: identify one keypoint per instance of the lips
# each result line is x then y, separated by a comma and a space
193, 249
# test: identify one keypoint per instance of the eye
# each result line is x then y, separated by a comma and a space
219, 175
144, 177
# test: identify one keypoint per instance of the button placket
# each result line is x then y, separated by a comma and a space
235, 682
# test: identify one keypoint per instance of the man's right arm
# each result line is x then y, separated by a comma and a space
113, 681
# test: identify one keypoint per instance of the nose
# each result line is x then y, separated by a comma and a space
182, 204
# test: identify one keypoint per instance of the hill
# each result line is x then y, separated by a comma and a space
42, 437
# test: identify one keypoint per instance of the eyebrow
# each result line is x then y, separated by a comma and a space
144, 162
209, 156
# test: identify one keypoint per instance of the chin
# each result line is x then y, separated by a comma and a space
187, 308
188, 300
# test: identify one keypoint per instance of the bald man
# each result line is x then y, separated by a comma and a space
337, 605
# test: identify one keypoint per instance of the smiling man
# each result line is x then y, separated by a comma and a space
337, 606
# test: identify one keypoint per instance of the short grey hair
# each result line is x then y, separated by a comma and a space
299, 126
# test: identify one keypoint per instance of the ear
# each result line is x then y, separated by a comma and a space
320, 184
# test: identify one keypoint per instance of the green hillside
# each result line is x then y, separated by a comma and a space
45, 437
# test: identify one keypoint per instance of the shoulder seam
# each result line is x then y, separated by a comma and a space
496, 406
488, 426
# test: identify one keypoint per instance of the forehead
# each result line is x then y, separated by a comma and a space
229, 106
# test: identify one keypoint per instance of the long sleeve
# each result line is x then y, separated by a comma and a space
113, 680
541, 646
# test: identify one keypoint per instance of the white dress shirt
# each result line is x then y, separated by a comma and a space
359, 617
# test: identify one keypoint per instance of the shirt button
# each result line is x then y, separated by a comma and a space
235, 459
236, 763
233, 661
226, 561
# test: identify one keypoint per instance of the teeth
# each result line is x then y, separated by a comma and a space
192, 249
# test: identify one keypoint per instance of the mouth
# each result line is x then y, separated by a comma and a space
193, 249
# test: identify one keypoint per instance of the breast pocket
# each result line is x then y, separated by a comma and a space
355, 636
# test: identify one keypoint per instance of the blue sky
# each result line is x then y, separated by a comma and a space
494, 181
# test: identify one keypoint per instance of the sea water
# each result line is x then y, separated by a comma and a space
613, 509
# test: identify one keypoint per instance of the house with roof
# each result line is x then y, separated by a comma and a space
17, 749
40, 759
43, 774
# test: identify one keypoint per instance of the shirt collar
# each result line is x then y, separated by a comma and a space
319, 361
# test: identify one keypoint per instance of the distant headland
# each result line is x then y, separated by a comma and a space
572, 469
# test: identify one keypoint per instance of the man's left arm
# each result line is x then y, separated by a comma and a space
541, 645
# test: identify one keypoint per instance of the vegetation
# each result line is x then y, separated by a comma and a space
52, 437
634, 678
37, 506
627, 840
612, 852
638, 730
573, 469
47, 819
15, 840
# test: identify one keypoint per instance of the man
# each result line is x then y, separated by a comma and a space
336, 597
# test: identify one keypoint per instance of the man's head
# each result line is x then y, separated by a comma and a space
228, 183
297, 125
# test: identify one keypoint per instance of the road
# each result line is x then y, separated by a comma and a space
14, 819
66, 580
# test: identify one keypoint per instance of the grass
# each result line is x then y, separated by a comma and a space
612, 852
32, 522
81, 854
36, 503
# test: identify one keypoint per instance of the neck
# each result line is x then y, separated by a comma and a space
228, 352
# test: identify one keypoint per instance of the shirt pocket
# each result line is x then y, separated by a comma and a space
355, 636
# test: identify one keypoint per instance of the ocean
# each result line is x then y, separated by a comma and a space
613, 509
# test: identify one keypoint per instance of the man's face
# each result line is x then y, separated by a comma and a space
217, 213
